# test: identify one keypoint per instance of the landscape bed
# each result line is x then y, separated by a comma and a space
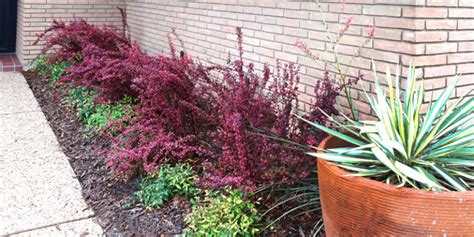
166, 144
161, 146
111, 197
103, 191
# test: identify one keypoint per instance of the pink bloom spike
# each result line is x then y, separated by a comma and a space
371, 31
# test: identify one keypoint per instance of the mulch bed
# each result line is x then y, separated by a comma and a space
106, 193
109, 195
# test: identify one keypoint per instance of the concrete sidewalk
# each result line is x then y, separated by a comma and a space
39, 193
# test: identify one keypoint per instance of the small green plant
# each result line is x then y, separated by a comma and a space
53, 71
104, 113
404, 146
58, 70
223, 214
169, 181
97, 116
82, 99
41, 65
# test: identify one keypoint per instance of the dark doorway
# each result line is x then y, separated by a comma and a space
7, 25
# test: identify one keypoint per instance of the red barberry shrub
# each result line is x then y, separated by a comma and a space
65, 41
102, 57
225, 125
249, 104
326, 93
109, 72
174, 117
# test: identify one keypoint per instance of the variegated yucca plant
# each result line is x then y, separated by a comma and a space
406, 146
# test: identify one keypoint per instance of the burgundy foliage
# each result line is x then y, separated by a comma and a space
326, 93
109, 72
186, 113
174, 118
249, 103
65, 42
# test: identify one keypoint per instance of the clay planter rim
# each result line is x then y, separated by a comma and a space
373, 184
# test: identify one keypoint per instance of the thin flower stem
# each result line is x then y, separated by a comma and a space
346, 88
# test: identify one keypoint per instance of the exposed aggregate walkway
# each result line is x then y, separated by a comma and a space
39, 193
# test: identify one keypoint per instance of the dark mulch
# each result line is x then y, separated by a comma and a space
105, 193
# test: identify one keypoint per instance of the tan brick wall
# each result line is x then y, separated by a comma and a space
437, 34
34, 16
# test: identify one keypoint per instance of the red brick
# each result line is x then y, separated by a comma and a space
466, 46
425, 36
461, 58
461, 36
289, 5
401, 2
288, 22
404, 23
396, 46
466, 24
441, 24
425, 60
295, 32
384, 33
442, 3
461, 13
272, 12
425, 12
349, 8
382, 10
360, 1
438, 48
380, 55
466, 79
466, 68
466, 3
464, 90
296, 14
439, 71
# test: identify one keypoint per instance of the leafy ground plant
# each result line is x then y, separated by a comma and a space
105, 113
41, 65
53, 71
58, 70
82, 99
169, 181
224, 213
96, 116
406, 148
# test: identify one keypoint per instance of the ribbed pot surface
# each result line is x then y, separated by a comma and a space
356, 206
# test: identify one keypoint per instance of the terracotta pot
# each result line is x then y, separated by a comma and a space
356, 206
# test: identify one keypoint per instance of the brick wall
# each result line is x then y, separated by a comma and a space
437, 34
34, 16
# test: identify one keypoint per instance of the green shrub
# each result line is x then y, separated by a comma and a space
223, 214
107, 112
82, 99
41, 65
53, 71
158, 188
58, 70
97, 116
